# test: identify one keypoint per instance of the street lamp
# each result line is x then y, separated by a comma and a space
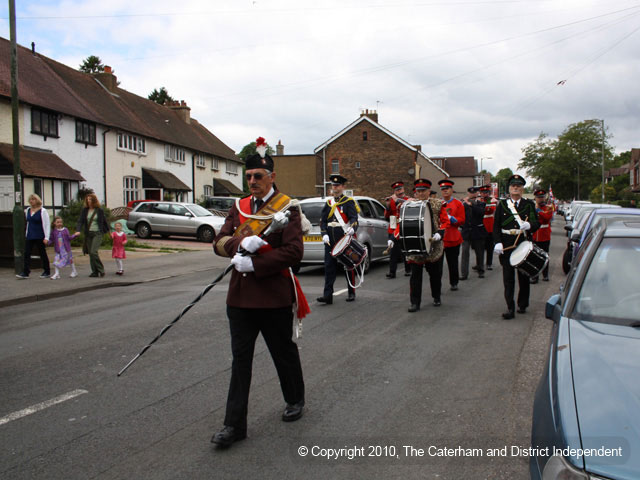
481, 159
602, 160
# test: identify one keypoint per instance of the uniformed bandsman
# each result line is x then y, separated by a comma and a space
332, 232
392, 213
542, 237
489, 212
452, 235
515, 219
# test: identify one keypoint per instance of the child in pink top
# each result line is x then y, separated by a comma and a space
61, 241
117, 252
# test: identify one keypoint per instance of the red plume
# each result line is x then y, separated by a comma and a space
261, 142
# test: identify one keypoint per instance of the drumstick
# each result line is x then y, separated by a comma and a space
515, 244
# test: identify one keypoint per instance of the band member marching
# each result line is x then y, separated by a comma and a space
392, 213
452, 235
515, 218
432, 262
261, 293
542, 237
489, 212
332, 232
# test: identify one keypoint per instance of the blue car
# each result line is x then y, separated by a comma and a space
594, 217
586, 413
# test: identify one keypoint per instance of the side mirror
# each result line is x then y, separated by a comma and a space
575, 237
188, 214
552, 304
568, 228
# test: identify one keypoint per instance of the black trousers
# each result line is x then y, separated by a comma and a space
276, 326
545, 247
42, 252
509, 281
488, 248
435, 279
397, 257
477, 245
452, 254
330, 271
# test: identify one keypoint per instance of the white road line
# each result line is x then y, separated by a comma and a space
41, 406
340, 291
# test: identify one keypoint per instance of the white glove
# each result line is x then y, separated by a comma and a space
242, 263
279, 217
350, 231
525, 226
436, 237
252, 244
390, 243
325, 239
498, 249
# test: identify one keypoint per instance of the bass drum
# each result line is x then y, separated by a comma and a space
415, 228
529, 259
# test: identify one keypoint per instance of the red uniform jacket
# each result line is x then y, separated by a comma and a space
545, 215
489, 212
266, 287
452, 235
393, 209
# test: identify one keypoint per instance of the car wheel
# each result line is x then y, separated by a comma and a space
143, 230
566, 261
206, 234
367, 260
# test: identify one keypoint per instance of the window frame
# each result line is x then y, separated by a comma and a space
335, 166
52, 119
82, 127
174, 154
200, 160
231, 168
131, 192
125, 140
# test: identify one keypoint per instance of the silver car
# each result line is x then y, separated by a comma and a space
372, 230
174, 218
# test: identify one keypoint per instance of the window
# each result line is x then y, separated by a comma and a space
364, 136
130, 189
66, 193
357, 164
85, 132
44, 123
365, 209
200, 161
232, 167
173, 154
335, 166
37, 188
214, 164
131, 143
208, 190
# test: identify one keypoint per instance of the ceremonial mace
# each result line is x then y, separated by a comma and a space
275, 226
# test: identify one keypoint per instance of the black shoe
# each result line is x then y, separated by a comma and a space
489, 267
94, 275
463, 278
454, 287
509, 314
22, 276
225, 437
351, 297
391, 275
413, 308
101, 274
533, 281
480, 274
474, 267
293, 412
522, 309
327, 300
436, 302
407, 274
546, 279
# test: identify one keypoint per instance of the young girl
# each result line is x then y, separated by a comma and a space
61, 241
117, 252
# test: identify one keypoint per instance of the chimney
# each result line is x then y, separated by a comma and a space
418, 147
279, 148
33, 48
372, 115
183, 110
107, 78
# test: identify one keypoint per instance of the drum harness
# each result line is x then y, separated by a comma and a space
514, 231
359, 270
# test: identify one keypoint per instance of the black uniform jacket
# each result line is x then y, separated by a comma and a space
504, 220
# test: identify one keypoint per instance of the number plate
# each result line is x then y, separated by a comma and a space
312, 238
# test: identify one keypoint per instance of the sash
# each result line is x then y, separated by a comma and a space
255, 226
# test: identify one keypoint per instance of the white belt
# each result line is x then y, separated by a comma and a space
334, 224
546, 225
488, 216
513, 231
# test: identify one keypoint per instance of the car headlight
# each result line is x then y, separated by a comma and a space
557, 468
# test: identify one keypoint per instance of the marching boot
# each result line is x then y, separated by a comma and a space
351, 297
509, 314
413, 308
391, 275
325, 300
533, 281
293, 412
436, 302
225, 437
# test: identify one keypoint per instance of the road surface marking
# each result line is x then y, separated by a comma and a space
41, 406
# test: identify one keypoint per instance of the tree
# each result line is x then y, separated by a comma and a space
501, 178
160, 96
609, 194
572, 164
91, 64
248, 150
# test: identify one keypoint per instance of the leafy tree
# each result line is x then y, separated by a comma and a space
572, 164
596, 194
160, 96
92, 64
248, 150
501, 178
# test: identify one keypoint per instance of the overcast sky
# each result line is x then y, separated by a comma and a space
461, 78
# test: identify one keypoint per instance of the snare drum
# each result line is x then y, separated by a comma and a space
415, 228
529, 259
349, 252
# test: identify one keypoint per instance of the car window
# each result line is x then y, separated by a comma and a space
313, 211
379, 209
609, 291
162, 208
178, 210
365, 209
199, 211
145, 207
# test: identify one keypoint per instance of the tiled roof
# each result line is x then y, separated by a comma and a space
40, 163
49, 84
458, 166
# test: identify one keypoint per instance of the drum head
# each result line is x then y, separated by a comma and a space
520, 253
341, 245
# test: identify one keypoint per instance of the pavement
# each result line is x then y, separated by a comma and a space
166, 259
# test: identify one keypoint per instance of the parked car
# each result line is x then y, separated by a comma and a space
574, 208
576, 228
589, 392
372, 230
222, 204
600, 214
174, 218
133, 203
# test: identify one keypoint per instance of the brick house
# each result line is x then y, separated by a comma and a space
296, 175
372, 158
464, 172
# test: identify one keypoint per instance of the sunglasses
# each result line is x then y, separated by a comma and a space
257, 176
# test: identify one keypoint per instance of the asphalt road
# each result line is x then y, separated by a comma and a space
388, 388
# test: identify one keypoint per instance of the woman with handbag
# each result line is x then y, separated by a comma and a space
93, 224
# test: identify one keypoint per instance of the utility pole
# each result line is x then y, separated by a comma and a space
18, 214
602, 160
